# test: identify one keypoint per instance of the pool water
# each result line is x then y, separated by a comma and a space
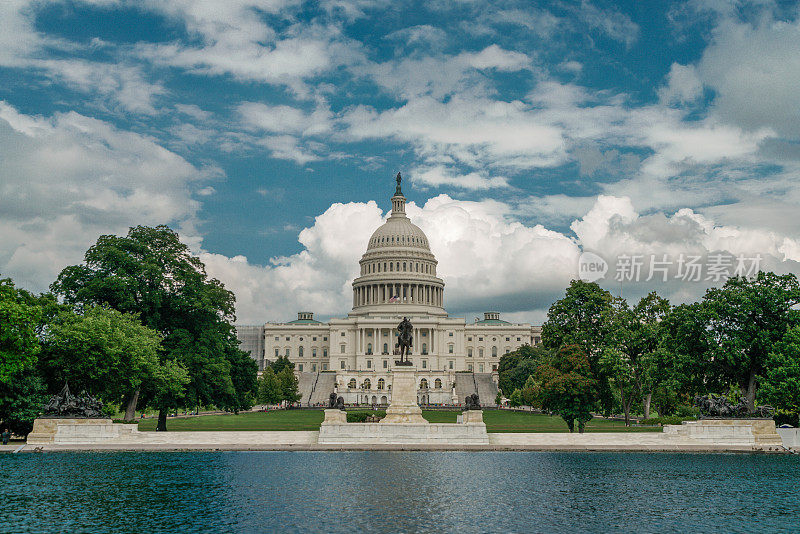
398, 492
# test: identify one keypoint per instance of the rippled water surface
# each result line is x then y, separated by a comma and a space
398, 492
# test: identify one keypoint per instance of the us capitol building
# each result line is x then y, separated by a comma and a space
354, 355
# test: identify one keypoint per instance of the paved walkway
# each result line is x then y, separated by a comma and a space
307, 441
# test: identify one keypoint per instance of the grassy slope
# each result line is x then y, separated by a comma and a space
496, 421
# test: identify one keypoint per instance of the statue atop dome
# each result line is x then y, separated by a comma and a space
398, 192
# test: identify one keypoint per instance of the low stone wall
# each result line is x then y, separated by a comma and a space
335, 430
758, 433
790, 437
79, 431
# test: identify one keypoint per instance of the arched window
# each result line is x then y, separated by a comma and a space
437, 383
369, 348
424, 348
391, 266
494, 352
381, 383
404, 266
423, 384
351, 384
386, 348
367, 384
342, 348
300, 351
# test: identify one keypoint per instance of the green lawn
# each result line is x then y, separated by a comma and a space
496, 421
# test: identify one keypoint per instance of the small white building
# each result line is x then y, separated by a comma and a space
354, 356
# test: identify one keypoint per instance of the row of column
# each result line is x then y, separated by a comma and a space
362, 339
405, 293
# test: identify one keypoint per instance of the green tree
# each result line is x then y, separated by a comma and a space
746, 319
582, 318
269, 388
19, 344
567, 387
289, 386
516, 366
629, 358
682, 354
281, 363
780, 384
22, 392
150, 272
102, 351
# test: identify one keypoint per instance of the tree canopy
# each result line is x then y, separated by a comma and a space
151, 273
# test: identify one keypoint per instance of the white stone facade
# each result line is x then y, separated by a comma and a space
398, 279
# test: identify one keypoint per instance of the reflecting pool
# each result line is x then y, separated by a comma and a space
398, 492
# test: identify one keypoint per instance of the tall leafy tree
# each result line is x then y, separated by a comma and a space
22, 392
682, 354
150, 272
567, 387
781, 380
102, 351
582, 318
516, 366
269, 388
289, 386
746, 319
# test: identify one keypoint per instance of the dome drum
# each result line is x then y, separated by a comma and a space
398, 269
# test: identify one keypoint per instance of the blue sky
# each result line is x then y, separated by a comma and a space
268, 132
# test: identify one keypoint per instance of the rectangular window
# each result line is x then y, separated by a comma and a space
518, 339
314, 338
450, 334
288, 351
342, 334
324, 366
424, 364
277, 338
450, 364
537, 340
480, 368
469, 352
325, 353
300, 367
287, 338
450, 349
469, 367
385, 364
314, 367
369, 364
480, 339
342, 364
469, 338
508, 339
480, 353
277, 353
325, 338
314, 352
494, 367
342, 349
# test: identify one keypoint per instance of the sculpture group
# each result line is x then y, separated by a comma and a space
67, 405
719, 406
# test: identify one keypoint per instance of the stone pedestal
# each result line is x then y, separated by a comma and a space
473, 417
404, 408
79, 431
334, 416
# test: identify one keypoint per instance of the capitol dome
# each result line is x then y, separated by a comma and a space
398, 270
